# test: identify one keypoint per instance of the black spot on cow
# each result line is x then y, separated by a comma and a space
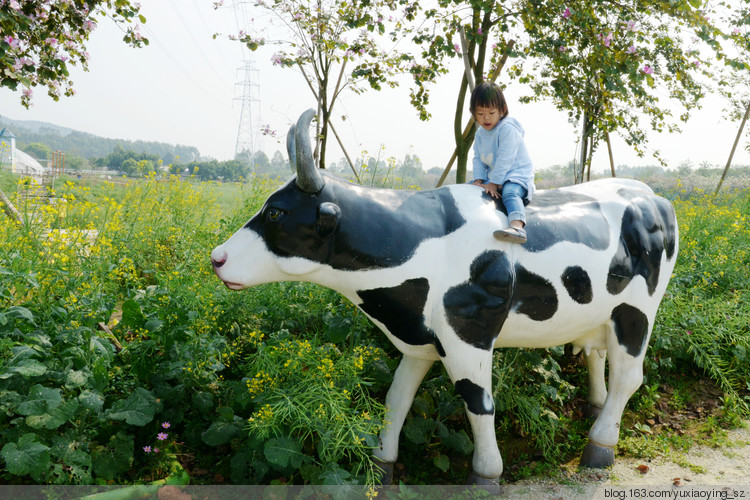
556, 216
631, 328
648, 229
477, 308
401, 310
478, 401
374, 228
533, 295
578, 284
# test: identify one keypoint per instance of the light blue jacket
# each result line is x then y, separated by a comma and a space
500, 155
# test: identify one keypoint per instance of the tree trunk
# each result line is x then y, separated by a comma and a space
462, 144
468, 132
584, 148
734, 147
611, 157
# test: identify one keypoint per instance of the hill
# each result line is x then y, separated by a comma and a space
85, 145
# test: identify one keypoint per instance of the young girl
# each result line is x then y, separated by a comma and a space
502, 165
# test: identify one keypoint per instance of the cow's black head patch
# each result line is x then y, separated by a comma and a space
353, 228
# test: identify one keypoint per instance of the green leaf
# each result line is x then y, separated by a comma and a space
53, 418
26, 457
442, 462
132, 315
91, 400
459, 441
76, 378
220, 433
40, 401
336, 476
27, 368
283, 452
115, 458
696, 3
137, 409
418, 430
20, 313
153, 325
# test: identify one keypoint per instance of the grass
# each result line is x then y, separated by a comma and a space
284, 383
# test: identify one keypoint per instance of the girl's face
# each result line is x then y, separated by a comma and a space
487, 117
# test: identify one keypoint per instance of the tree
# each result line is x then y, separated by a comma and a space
584, 54
41, 39
734, 83
326, 35
38, 150
609, 65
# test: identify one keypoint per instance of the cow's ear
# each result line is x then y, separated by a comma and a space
327, 220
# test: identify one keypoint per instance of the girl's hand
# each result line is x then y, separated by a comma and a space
478, 182
491, 189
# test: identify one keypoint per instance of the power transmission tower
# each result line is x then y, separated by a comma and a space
248, 132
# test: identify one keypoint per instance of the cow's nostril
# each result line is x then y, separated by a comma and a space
218, 258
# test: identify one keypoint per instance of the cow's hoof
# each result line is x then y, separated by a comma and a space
597, 456
491, 485
386, 477
591, 411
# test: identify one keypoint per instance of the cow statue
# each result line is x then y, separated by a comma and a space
425, 268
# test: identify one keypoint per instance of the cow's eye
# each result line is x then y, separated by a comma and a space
274, 214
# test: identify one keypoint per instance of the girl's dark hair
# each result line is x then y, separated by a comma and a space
488, 95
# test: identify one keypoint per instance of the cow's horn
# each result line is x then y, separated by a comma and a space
309, 179
291, 149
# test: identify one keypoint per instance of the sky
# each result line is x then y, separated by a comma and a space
183, 89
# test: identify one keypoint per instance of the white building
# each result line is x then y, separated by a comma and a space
16, 160
7, 149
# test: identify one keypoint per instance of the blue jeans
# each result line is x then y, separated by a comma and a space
513, 195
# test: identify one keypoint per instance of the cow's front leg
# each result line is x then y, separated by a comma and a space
406, 380
470, 370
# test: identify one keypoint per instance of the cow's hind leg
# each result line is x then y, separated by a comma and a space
626, 346
406, 380
596, 361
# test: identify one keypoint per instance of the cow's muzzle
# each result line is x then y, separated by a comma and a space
218, 257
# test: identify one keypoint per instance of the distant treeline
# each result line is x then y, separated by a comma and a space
84, 146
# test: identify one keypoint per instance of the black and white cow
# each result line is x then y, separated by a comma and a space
425, 268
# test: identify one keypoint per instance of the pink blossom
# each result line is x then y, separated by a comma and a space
630, 26
13, 42
51, 41
13, 4
147, 449
563, 48
608, 40
277, 59
567, 13
27, 93
165, 425
696, 63
647, 69
162, 436
479, 31
736, 31
457, 48
631, 49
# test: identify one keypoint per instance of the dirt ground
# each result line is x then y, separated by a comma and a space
701, 472
710, 466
